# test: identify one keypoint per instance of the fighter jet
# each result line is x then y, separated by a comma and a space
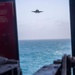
37, 11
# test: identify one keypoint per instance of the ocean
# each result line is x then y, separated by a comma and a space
34, 54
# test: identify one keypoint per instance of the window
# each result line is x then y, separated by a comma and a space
45, 36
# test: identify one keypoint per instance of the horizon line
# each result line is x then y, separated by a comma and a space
47, 39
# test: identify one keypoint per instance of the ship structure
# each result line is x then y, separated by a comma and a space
9, 53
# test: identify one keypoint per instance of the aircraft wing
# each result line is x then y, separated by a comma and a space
33, 11
40, 11
37, 11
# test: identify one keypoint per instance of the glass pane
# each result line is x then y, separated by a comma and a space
43, 36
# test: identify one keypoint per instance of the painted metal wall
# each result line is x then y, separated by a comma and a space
8, 30
72, 19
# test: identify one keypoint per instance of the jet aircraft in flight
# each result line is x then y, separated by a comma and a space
37, 11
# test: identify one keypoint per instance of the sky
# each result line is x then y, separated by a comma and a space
52, 23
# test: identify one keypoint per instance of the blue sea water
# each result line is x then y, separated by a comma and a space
34, 54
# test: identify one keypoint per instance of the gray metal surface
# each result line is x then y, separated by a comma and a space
48, 70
